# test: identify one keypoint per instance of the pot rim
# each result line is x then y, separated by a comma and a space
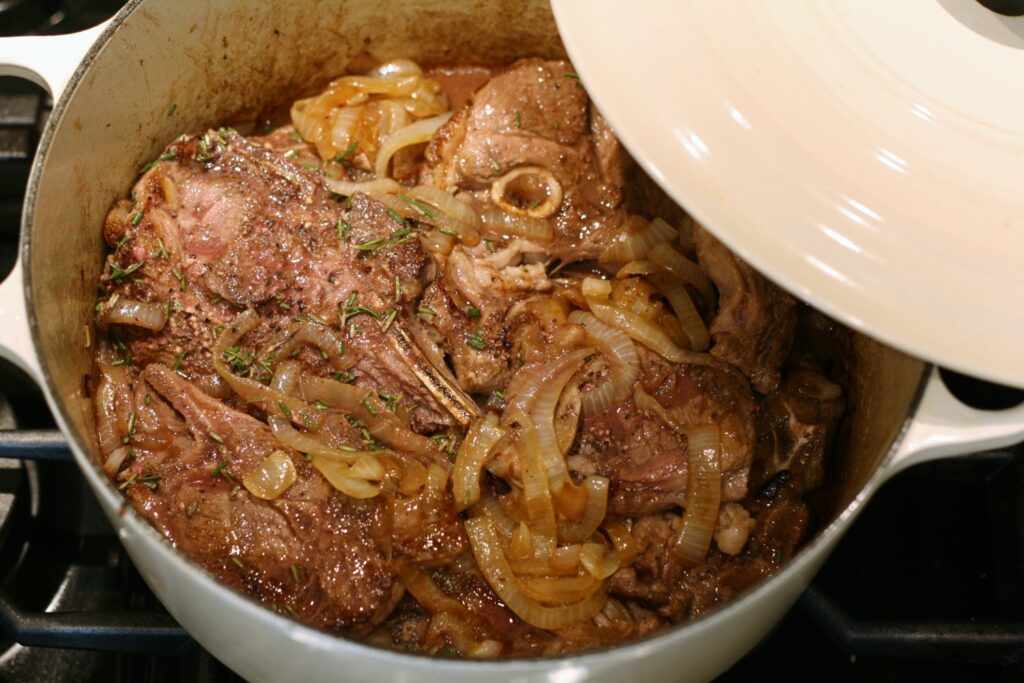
127, 516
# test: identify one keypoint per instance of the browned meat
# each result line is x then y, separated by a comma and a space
312, 551
657, 579
536, 114
754, 326
239, 225
426, 529
795, 428
460, 82
468, 307
646, 460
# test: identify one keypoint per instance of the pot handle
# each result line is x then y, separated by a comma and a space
944, 427
48, 61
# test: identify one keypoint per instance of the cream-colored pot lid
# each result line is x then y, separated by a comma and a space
868, 155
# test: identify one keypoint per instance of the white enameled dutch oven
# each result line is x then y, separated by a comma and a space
225, 61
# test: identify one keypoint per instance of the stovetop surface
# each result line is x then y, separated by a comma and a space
927, 585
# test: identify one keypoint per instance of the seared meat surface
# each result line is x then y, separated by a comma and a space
310, 552
647, 462
385, 400
537, 114
223, 223
754, 326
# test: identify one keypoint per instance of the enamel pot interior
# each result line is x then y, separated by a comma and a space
226, 63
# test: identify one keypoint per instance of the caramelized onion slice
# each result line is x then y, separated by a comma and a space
618, 348
501, 223
144, 314
622, 540
471, 458
350, 187
597, 561
460, 211
340, 477
636, 239
593, 514
540, 508
414, 134
381, 423
559, 590
689, 318
543, 418
272, 477
596, 287
645, 332
426, 592
703, 495
666, 257
498, 573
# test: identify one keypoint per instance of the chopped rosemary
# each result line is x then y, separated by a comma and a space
396, 217
312, 167
419, 206
449, 232
372, 244
397, 237
296, 574
473, 312
180, 278
476, 340
173, 108
390, 400
215, 436
161, 250
426, 310
285, 409
495, 165
290, 154
239, 359
389, 317
490, 244
344, 229
193, 508
117, 273
349, 151
343, 376
147, 166
369, 406
516, 120
204, 149
310, 318
238, 562
398, 289
572, 74
150, 481
148, 399
177, 361
218, 471
168, 156
131, 427
127, 482
294, 135
320, 405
